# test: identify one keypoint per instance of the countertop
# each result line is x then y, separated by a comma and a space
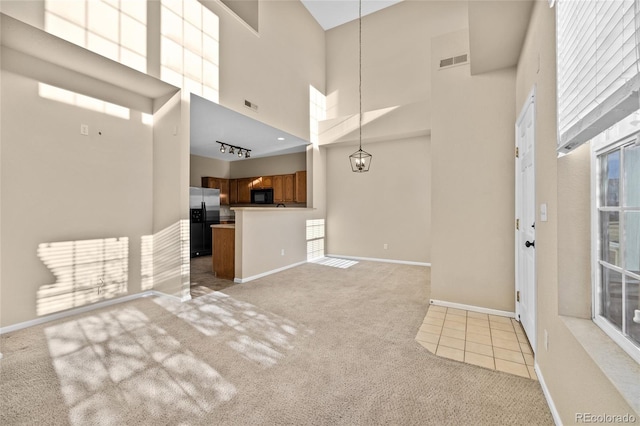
225, 226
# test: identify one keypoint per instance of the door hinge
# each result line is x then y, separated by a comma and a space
518, 296
518, 224
517, 152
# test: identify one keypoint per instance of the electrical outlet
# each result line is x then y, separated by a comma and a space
84, 129
282, 252
385, 246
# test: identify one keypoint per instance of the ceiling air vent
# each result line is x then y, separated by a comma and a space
454, 60
251, 105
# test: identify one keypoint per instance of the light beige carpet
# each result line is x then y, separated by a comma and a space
313, 345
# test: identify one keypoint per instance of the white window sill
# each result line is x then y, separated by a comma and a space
617, 366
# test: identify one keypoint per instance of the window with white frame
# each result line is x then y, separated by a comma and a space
598, 65
617, 249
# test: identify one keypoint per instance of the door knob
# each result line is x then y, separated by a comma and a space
530, 244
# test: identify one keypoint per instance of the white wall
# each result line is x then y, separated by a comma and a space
473, 182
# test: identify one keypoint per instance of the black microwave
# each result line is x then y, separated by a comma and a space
262, 196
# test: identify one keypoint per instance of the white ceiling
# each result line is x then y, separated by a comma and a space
332, 13
211, 122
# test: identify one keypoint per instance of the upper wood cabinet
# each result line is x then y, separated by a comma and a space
244, 190
278, 189
218, 183
262, 182
267, 182
233, 191
301, 187
289, 186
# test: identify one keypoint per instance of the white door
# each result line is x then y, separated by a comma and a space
526, 220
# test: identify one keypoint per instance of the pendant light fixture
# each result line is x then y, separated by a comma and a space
360, 160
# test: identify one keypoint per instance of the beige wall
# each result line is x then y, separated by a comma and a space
272, 69
575, 383
391, 203
387, 205
266, 166
396, 56
171, 198
473, 182
61, 186
275, 68
269, 239
204, 166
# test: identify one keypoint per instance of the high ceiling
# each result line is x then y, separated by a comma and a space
332, 13
496, 31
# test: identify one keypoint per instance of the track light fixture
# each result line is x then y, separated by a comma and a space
242, 152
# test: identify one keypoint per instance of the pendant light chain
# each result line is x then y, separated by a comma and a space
360, 160
360, 64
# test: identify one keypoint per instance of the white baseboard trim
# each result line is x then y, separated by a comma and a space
374, 259
547, 395
264, 274
85, 309
472, 308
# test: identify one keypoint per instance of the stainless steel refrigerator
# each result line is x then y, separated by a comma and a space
204, 206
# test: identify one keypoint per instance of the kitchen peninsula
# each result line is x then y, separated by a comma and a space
223, 251
265, 240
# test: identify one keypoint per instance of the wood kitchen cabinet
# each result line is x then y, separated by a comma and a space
288, 186
262, 182
244, 190
278, 189
233, 191
300, 187
218, 183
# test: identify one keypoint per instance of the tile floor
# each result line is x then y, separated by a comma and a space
489, 341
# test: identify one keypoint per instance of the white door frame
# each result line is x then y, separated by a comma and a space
531, 305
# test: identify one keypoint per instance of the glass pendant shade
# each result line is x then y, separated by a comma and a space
360, 161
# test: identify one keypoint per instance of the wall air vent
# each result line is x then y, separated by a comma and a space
454, 60
251, 105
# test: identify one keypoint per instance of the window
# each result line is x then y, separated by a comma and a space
116, 29
617, 245
598, 65
315, 238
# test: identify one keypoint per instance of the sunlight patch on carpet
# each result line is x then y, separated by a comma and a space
334, 262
